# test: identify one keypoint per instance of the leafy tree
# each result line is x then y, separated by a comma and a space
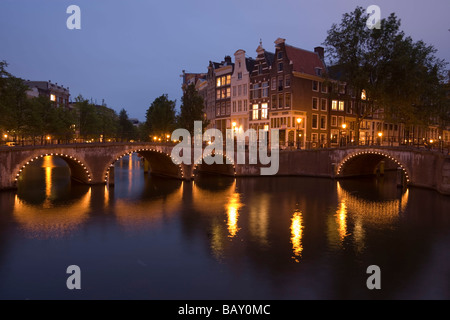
161, 117
191, 109
126, 129
400, 77
87, 118
108, 122
14, 107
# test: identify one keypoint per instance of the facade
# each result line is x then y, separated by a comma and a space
293, 90
240, 83
259, 91
299, 105
223, 95
56, 93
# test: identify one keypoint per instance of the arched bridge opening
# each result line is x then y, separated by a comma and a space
209, 165
155, 162
79, 172
368, 163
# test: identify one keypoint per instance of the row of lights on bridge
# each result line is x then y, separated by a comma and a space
55, 154
373, 152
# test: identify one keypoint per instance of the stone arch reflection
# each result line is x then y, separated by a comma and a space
161, 198
45, 221
354, 214
218, 200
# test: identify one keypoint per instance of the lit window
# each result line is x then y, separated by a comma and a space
334, 105
52, 97
363, 95
341, 105
255, 112
218, 82
264, 111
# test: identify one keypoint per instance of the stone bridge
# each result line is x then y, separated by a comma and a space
94, 163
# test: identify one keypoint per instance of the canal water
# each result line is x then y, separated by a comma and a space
221, 238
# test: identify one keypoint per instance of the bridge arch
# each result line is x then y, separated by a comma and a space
228, 167
79, 171
365, 161
160, 162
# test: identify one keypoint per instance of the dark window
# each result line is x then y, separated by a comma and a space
280, 66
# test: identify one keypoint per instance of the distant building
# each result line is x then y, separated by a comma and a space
54, 92
223, 95
298, 101
240, 84
260, 91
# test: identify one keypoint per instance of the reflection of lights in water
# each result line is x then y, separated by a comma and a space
142, 214
130, 172
363, 213
211, 202
259, 218
51, 222
297, 234
48, 167
233, 206
373, 211
341, 219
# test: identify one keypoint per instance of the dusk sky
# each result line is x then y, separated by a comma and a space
130, 52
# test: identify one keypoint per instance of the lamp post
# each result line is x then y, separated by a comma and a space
299, 120
344, 125
380, 135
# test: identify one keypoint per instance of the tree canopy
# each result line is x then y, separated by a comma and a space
161, 116
191, 109
400, 76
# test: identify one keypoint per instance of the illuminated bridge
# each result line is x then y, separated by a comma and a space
94, 163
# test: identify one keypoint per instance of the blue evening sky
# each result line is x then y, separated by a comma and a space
131, 52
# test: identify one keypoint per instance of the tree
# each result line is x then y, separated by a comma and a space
126, 129
87, 118
191, 110
108, 122
14, 106
399, 77
161, 117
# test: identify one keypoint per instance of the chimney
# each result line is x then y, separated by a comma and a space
320, 52
228, 60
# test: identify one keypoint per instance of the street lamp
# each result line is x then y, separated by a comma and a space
380, 135
344, 125
299, 120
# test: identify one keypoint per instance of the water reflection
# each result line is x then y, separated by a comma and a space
259, 218
51, 221
357, 211
161, 198
285, 237
233, 206
297, 234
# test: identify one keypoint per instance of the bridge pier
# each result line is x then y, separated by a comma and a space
111, 177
